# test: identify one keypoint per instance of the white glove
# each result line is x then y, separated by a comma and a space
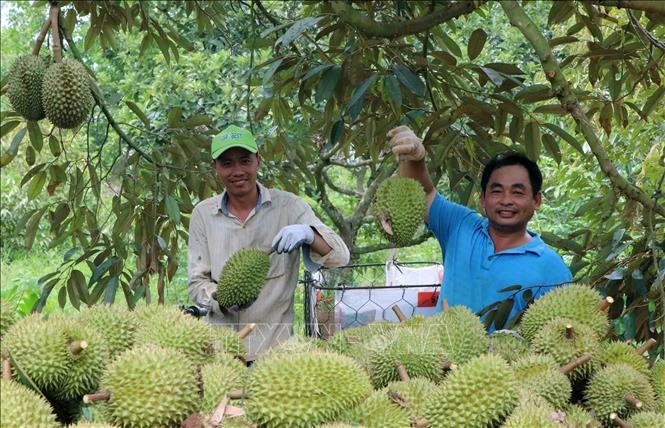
405, 144
292, 237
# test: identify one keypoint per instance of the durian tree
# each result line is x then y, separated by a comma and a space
577, 87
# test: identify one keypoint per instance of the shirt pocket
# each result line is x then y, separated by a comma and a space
277, 265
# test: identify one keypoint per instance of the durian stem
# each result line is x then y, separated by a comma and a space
448, 365
604, 304
566, 369
77, 346
570, 333
55, 33
618, 421
97, 396
246, 330
41, 37
400, 315
401, 370
236, 394
6, 369
633, 401
3, 91
646, 346
420, 423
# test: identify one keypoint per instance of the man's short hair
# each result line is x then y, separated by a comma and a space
513, 158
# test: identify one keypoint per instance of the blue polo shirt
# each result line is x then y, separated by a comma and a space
474, 273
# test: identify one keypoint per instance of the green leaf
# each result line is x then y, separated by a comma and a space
337, 131
566, 136
12, 150
73, 293
267, 76
326, 85
54, 145
47, 287
80, 285
552, 147
297, 29
110, 289
652, 101
560, 12
356, 102
551, 109
510, 288
31, 228
8, 126
173, 120
516, 127
197, 120
409, 79
450, 44
476, 43
36, 185
102, 268
316, 70
502, 313
534, 93
392, 88
532, 140
172, 209
138, 112
62, 297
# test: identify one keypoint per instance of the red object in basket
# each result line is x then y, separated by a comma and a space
427, 299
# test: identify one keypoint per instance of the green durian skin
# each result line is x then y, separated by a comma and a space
295, 389
648, 419
658, 381
377, 411
533, 411
242, 277
478, 393
150, 387
620, 352
460, 332
540, 376
66, 94
20, 406
402, 201
607, 388
7, 316
225, 374
577, 302
508, 344
24, 86
116, 323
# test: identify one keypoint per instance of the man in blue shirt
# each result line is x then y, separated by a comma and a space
484, 255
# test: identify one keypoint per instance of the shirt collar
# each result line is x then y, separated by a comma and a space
536, 245
264, 198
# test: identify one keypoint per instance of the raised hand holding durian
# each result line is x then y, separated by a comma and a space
484, 254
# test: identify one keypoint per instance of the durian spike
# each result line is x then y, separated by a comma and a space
97, 396
646, 346
77, 346
567, 368
400, 315
633, 401
420, 423
6, 369
41, 36
401, 370
218, 415
605, 303
246, 330
618, 421
236, 394
444, 305
570, 332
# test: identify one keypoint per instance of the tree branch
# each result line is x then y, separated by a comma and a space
41, 36
371, 28
655, 6
384, 246
518, 18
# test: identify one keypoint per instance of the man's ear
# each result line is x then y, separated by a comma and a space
538, 199
481, 202
258, 159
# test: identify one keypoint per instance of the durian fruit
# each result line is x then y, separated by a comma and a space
149, 386
340, 425
40, 350
614, 352
508, 344
477, 394
116, 323
7, 316
577, 302
619, 389
658, 382
242, 277
223, 375
460, 332
88, 424
414, 392
343, 341
578, 417
539, 375
565, 341
399, 208
24, 86
169, 327
297, 344
378, 411
419, 354
648, 419
304, 390
227, 340
20, 406
66, 94
533, 411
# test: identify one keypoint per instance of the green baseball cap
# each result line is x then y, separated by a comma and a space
232, 136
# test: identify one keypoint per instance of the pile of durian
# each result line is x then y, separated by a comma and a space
59, 91
158, 367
